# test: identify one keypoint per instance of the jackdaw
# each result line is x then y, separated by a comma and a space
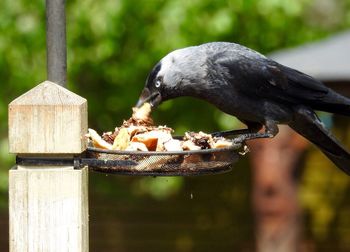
257, 90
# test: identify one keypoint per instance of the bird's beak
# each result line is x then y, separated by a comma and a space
146, 96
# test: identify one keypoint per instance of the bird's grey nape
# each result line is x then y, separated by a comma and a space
183, 67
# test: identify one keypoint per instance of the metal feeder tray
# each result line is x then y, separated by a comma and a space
169, 163
153, 163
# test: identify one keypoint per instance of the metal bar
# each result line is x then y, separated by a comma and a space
37, 161
56, 50
77, 162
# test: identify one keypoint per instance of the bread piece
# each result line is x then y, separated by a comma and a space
149, 141
136, 146
220, 143
154, 140
97, 140
173, 145
189, 145
122, 140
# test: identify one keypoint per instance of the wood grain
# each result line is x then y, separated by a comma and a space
48, 206
48, 119
48, 209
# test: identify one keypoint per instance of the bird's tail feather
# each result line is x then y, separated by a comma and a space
334, 103
307, 124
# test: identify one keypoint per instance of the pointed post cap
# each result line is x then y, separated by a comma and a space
47, 119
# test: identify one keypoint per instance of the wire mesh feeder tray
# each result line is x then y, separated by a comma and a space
165, 163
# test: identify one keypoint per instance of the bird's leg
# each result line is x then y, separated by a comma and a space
271, 129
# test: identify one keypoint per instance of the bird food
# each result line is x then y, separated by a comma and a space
139, 134
154, 149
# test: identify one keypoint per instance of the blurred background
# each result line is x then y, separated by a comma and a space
112, 45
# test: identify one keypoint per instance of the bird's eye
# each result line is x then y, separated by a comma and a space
158, 83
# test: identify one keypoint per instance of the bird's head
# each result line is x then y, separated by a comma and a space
178, 74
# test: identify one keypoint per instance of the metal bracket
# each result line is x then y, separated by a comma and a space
76, 162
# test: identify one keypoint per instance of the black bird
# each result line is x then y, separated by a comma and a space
257, 90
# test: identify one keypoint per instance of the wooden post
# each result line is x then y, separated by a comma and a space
48, 205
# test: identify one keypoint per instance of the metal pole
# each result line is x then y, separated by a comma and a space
56, 59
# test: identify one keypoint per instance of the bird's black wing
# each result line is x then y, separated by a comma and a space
253, 74
301, 85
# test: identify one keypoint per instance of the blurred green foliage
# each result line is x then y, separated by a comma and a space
113, 44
